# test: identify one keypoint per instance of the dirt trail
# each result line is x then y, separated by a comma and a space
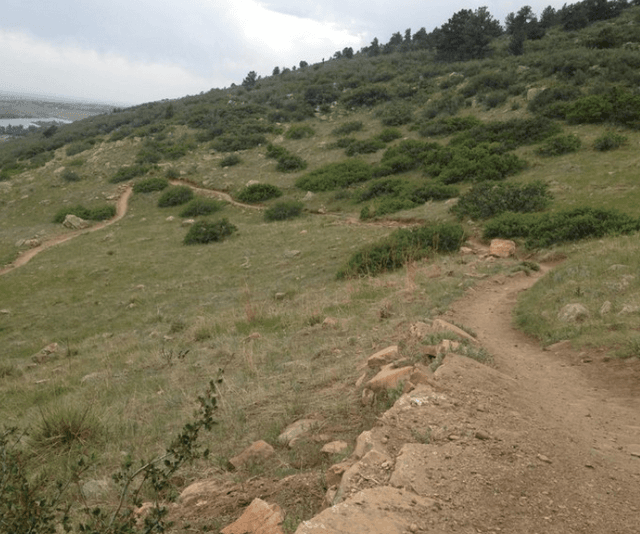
121, 209
543, 442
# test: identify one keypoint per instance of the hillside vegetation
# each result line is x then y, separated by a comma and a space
337, 228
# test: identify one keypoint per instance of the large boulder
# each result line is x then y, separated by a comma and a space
259, 518
74, 222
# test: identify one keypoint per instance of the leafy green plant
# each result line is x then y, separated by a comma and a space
70, 176
395, 113
448, 125
565, 226
230, 160
509, 134
300, 132
609, 141
79, 146
281, 211
98, 213
175, 196
291, 163
151, 184
364, 146
258, 193
65, 428
389, 134
488, 199
203, 232
559, 144
127, 173
201, 206
335, 175
347, 128
401, 247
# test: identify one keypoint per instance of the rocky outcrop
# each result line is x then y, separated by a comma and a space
74, 222
259, 518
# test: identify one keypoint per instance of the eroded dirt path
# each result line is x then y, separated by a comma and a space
122, 205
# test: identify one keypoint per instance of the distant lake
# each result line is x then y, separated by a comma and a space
27, 122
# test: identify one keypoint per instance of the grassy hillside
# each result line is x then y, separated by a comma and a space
143, 322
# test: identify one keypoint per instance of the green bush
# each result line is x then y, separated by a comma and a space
98, 213
609, 141
449, 104
300, 132
448, 125
559, 144
203, 232
348, 127
79, 146
335, 175
276, 151
364, 146
127, 173
387, 206
510, 134
433, 191
366, 96
389, 134
493, 99
401, 247
201, 206
70, 176
552, 102
258, 193
239, 141
230, 160
395, 113
151, 184
77, 162
291, 163
281, 211
488, 199
175, 196
566, 226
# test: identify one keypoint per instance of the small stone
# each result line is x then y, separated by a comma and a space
257, 451
413, 527
483, 436
544, 458
280, 296
634, 450
573, 313
367, 397
383, 357
502, 248
335, 447
605, 308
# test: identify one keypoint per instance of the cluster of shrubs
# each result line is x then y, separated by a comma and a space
175, 196
163, 146
448, 125
395, 113
543, 230
98, 213
258, 193
201, 206
203, 232
70, 176
287, 162
127, 173
394, 194
510, 134
488, 199
609, 141
300, 132
401, 247
348, 127
559, 144
280, 211
335, 175
79, 146
230, 160
150, 185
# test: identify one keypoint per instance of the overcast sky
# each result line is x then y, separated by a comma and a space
135, 51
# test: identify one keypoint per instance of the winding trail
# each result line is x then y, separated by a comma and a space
122, 205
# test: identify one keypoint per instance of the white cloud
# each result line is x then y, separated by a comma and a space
31, 65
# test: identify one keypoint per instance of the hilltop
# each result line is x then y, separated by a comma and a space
270, 237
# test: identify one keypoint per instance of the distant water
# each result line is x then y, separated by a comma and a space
29, 122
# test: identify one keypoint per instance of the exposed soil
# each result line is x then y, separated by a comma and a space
542, 441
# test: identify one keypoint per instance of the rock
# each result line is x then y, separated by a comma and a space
188, 222
309, 196
502, 248
5, 312
259, 518
296, 430
33, 243
634, 450
465, 251
533, 92
413, 467
334, 474
378, 510
291, 253
573, 313
94, 489
330, 322
383, 357
482, 435
560, 346
543, 458
390, 377
335, 447
74, 223
369, 469
170, 218
280, 296
368, 396
439, 325
628, 309
446, 346
252, 182
47, 353
605, 308
199, 491
258, 451
419, 330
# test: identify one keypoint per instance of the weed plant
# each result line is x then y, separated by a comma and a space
128, 173
201, 206
609, 141
258, 193
230, 160
71, 176
347, 128
203, 232
150, 185
175, 196
335, 175
300, 132
281, 211
559, 145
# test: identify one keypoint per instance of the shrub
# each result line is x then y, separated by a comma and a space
127, 173
488, 199
552, 102
291, 163
258, 193
239, 141
281, 211
335, 175
300, 132
389, 134
201, 206
560, 144
565, 226
449, 104
388, 205
401, 247
230, 160
172, 173
66, 428
175, 196
494, 99
98, 213
276, 151
348, 127
102, 213
449, 125
366, 96
151, 184
77, 162
510, 134
609, 141
364, 146
79, 146
433, 191
70, 176
203, 232
396, 113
